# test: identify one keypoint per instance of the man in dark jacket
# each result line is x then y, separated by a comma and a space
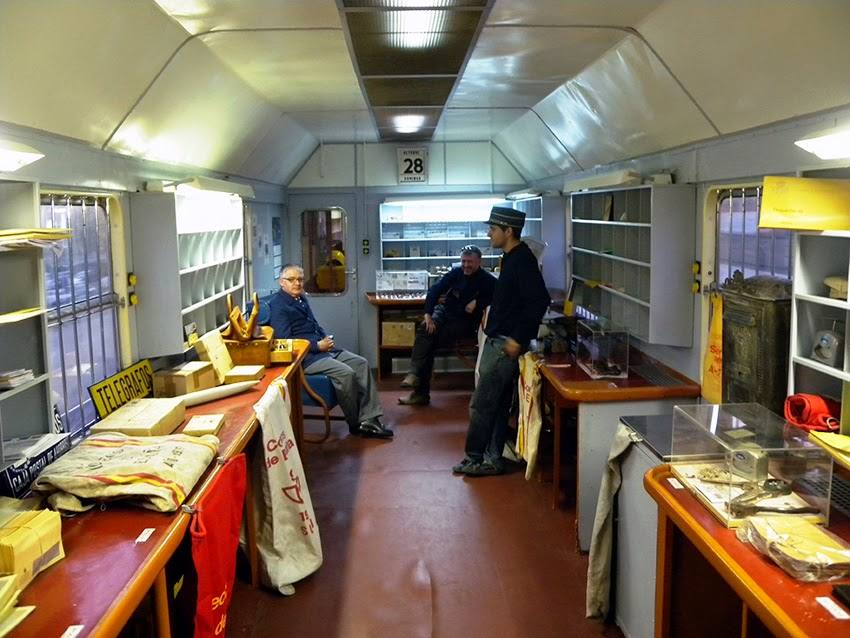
292, 318
519, 301
453, 309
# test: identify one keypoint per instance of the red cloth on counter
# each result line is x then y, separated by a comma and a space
812, 412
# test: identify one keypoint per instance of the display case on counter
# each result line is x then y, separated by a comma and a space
741, 459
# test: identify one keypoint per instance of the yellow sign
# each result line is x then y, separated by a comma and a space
804, 203
134, 382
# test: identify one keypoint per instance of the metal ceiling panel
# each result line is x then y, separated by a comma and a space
462, 125
533, 150
200, 16
411, 42
75, 68
408, 91
779, 58
519, 66
280, 152
338, 126
290, 70
624, 105
401, 4
197, 113
393, 119
622, 13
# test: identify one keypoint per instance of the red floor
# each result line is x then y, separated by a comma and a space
411, 550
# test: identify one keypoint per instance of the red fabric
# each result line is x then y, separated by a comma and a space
215, 538
812, 412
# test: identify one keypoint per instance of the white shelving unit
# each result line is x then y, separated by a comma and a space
26, 409
188, 255
635, 247
818, 255
425, 240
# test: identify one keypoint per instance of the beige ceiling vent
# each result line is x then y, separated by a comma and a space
409, 55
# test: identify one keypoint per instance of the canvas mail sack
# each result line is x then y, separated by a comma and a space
154, 472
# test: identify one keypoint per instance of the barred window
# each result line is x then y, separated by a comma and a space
82, 328
741, 245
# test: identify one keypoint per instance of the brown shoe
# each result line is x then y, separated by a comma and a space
410, 381
414, 399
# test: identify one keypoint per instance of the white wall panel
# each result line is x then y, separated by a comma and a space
532, 148
755, 62
74, 67
338, 126
280, 153
330, 165
466, 125
469, 163
197, 113
624, 105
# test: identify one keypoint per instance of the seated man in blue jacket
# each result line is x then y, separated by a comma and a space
453, 309
292, 318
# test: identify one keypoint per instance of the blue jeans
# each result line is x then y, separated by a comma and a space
490, 405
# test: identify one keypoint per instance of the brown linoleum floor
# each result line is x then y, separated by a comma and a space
412, 551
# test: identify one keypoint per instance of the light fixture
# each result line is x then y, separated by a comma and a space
828, 145
201, 183
14, 155
408, 123
525, 193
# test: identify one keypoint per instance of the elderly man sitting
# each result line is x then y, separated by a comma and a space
292, 318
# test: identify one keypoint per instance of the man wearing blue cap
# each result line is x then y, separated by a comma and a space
519, 301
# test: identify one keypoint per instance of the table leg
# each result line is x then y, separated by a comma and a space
160, 594
556, 462
663, 574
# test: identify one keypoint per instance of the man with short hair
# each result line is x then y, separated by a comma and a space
292, 318
519, 302
453, 309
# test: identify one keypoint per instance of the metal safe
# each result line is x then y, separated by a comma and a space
756, 333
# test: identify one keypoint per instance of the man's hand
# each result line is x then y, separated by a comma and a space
326, 344
511, 348
430, 326
470, 307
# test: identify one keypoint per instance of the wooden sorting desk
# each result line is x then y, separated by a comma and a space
711, 584
599, 404
105, 574
387, 310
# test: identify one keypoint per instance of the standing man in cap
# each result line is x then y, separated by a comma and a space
519, 301
453, 309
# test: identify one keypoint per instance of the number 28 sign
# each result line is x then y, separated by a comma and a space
412, 165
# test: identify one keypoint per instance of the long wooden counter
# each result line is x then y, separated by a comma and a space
711, 584
106, 573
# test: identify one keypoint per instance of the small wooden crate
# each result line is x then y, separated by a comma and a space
254, 352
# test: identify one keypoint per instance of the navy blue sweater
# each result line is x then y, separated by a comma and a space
460, 290
520, 299
293, 318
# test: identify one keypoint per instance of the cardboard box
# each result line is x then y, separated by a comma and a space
29, 543
211, 347
144, 417
253, 352
201, 424
398, 333
244, 373
187, 377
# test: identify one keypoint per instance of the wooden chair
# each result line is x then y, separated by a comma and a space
318, 392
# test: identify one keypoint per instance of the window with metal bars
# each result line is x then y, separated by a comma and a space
82, 327
741, 245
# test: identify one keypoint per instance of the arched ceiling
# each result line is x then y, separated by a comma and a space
251, 87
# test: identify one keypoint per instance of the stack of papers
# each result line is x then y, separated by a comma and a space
30, 543
10, 616
13, 238
13, 378
29, 447
837, 445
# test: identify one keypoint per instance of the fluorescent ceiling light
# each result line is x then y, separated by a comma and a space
14, 155
828, 146
201, 183
525, 193
408, 123
416, 29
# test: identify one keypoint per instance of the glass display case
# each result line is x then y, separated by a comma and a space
401, 284
602, 349
741, 459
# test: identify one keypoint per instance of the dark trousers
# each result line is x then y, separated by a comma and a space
490, 406
448, 331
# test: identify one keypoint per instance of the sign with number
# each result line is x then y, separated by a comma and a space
412, 165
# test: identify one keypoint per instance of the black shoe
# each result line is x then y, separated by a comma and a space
415, 399
372, 429
410, 381
464, 465
485, 468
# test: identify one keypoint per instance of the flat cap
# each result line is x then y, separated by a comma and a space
501, 216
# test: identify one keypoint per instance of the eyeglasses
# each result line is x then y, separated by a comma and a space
293, 279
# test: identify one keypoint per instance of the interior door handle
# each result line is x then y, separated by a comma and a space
353, 273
